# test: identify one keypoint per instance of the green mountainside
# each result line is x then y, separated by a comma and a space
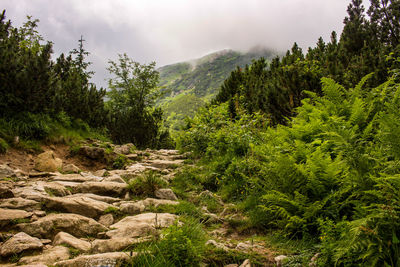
189, 85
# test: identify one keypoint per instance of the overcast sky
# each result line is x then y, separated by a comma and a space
169, 31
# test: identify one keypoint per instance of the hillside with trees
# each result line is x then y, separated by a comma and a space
294, 161
187, 86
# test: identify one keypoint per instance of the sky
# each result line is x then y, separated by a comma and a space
170, 31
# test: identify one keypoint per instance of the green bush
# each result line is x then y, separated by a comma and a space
146, 184
181, 245
3, 146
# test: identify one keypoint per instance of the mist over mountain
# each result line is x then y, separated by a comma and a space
189, 85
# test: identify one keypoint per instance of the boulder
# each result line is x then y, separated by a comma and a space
106, 220
105, 259
48, 257
140, 225
50, 225
71, 168
19, 203
79, 205
47, 162
92, 152
10, 216
19, 243
103, 188
63, 238
124, 149
165, 193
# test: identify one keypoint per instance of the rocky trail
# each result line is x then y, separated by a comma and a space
81, 218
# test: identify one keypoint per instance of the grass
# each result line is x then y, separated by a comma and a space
146, 184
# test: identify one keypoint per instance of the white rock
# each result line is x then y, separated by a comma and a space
18, 243
105, 259
48, 257
63, 238
165, 193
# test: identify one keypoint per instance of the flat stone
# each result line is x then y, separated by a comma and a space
50, 225
63, 238
76, 177
48, 257
165, 193
106, 199
79, 205
19, 203
140, 225
31, 192
104, 259
103, 188
11, 216
164, 164
115, 244
19, 243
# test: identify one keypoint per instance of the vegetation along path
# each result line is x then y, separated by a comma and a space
56, 214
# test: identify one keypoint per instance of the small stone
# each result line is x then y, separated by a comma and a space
71, 168
165, 194
217, 245
246, 263
243, 246
114, 178
100, 173
18, 243
280, 259
19, 203
106, 220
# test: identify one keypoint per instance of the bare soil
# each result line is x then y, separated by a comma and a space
24, 160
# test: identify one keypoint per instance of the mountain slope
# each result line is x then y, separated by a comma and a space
197, 81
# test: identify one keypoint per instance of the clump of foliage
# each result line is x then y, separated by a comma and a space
146, 184
38, 95
180, 245
132, 97
328, 169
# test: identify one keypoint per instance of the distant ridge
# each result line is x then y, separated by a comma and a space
189, 85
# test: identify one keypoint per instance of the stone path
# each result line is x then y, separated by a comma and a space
46, 219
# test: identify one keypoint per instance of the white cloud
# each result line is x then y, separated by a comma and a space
176, 30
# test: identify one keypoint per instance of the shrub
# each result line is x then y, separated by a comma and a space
146, 184
3, 146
